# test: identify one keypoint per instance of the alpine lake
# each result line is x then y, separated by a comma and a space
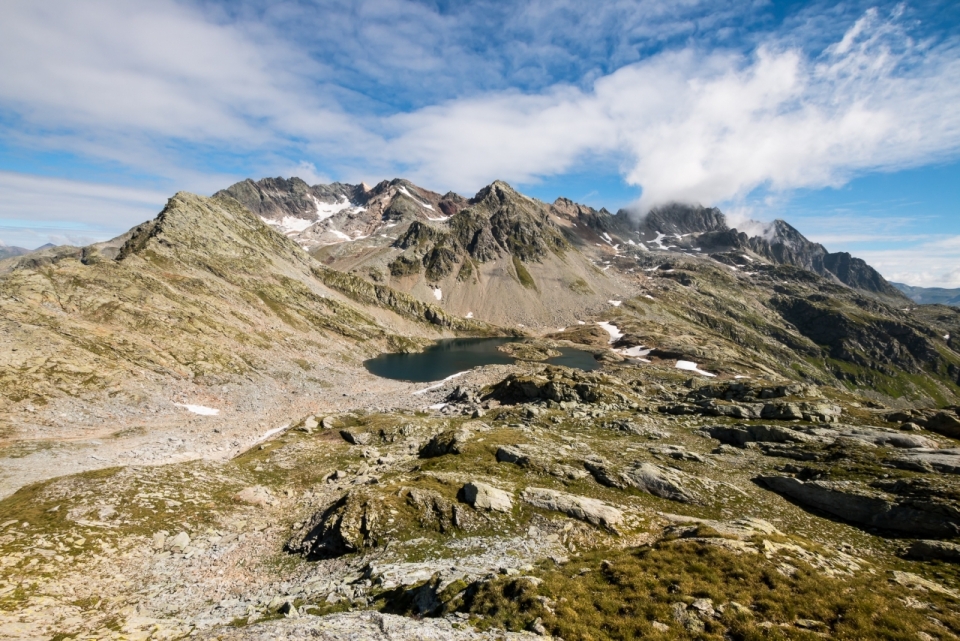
454, 355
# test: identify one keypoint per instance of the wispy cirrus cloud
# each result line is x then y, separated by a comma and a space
36, 210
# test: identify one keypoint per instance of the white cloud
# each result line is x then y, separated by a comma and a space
711, 127
308, 172
134, 81
927, 264
35, 210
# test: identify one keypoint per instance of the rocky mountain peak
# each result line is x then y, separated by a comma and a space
680, 218
497, 193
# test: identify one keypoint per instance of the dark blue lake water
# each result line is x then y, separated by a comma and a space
449, 356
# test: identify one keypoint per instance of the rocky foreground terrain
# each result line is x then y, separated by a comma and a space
193, 448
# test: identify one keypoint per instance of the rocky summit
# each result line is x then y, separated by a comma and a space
769, 446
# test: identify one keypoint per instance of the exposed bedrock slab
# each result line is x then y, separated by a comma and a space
659, 481
486, 497
851, 503
579, 507
925, 460
740, 435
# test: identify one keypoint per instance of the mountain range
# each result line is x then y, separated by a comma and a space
191, 445
930, 295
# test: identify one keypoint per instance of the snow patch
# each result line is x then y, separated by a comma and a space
649, 296
946, 337
615, 303
290, 224
339, 234
270, 433
199, 409
690, 366
437, 406
613, 330
469, 315
638, 350
325, 210
438, 293
440, 384
403, 190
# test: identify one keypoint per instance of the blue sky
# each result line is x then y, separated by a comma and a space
838, 117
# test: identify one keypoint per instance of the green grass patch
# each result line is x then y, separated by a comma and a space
523, 276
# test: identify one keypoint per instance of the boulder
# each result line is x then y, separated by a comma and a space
309, 424
926, 550
782, 411
486, 497
512, 454
254, 495
946, 423
356, 438
579, 507
348, 525
659, 481
851, 503
179, 543
328, 422
447, 442
603, 474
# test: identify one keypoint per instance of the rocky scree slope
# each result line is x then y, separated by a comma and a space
499, 256
203, 306
548, 502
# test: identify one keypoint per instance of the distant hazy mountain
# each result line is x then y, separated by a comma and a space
7, 251
930, 295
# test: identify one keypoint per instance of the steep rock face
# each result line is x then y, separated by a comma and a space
677, 218
864, 339
499, 256
786, 245
696, 228
277, 198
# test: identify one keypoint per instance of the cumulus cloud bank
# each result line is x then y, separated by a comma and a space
711, 126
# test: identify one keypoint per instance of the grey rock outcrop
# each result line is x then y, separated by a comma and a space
852, 503
923, 460
740, 435
447, 442
486, 497
926, 550
579, 507
348, 525
659, 481
356, 438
